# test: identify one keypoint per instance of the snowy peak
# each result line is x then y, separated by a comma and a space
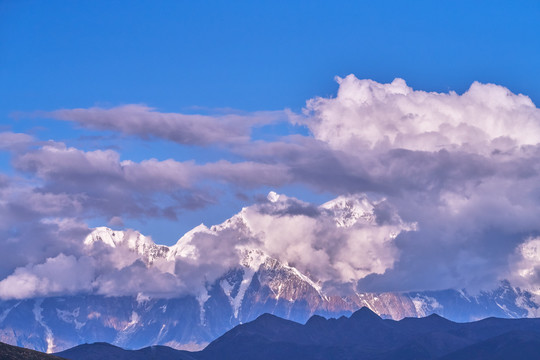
237, 222
130, 239
184, 247
252, 259
104, 235
348, 210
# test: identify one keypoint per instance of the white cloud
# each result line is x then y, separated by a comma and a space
369, 115
465, 167
56, 276
341, 242
525, 265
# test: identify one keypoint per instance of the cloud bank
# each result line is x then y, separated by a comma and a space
463, 168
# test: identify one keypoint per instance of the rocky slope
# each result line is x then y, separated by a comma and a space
10, 352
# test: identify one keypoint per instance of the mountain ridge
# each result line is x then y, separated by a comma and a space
362, 335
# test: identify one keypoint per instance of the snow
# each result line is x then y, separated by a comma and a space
236, 301
202, 297
39, 319
133, 321
161, 333
124, 334
141, 298
272, 196
70, 317
425, 305
349, 210
184, 247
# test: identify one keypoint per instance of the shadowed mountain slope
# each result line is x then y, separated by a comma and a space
10, 352
104, 351
364, 335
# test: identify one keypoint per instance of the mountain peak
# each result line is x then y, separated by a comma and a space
436, 318
143, 246
184, 246
316, 320
268, 317
348, 210
114, 238
365, 314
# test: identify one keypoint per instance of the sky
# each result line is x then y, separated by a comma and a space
161, 116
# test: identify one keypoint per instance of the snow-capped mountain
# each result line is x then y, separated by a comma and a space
257, 281
139, 244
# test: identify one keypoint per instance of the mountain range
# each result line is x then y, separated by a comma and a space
257, 283
363, 335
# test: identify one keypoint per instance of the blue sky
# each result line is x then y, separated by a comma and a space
218, 57
176, 55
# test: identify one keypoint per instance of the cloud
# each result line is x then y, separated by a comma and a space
525, 263
116, 221
338, 242
137, 278
461, 170
15, 141
369, 115
60, 275
104, 183
35, 225
464, 167
145, 122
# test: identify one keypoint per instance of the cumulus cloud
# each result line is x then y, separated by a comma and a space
526, 265
187, 129
367, 114
465, 167
36, 225
341, 241
57, 276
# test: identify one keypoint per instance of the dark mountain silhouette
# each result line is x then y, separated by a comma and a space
10, 352
364, 335
519, 345
105, 351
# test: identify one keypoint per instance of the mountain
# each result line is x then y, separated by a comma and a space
104, 351
366, 336
10, 352
61, 322
254, 284
363, 335
511, 345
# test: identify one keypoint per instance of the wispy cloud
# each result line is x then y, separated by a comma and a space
190, 129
